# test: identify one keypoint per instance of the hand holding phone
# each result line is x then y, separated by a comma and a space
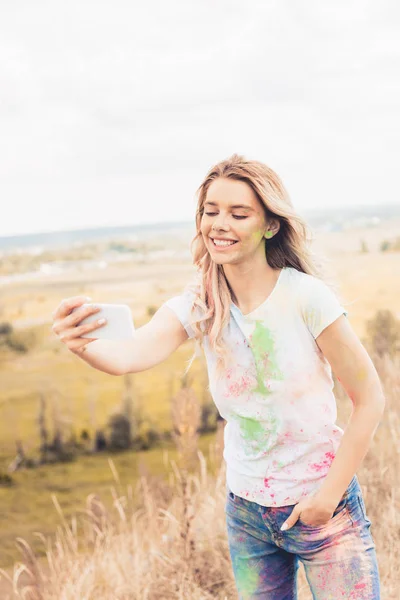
78, 324
118, 322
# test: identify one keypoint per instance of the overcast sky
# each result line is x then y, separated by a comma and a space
111, 112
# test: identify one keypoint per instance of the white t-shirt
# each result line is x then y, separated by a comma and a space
280, 437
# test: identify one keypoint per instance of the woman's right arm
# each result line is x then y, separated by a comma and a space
152, 343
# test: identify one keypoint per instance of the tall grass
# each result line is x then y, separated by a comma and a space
167, 539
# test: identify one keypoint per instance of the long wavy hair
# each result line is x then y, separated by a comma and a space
289, 247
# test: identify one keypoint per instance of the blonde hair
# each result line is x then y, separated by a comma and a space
287, 248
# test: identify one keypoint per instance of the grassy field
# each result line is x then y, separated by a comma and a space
27, 506
81, 398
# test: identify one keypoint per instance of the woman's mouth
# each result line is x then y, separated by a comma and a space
223, 244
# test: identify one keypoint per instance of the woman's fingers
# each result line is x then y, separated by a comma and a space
66, 306
66, 323
78, 315
77, 332
64, 318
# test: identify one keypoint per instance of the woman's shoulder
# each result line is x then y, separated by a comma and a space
305, 279
298, 278
307, 287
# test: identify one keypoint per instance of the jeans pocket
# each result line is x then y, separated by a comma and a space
341, 511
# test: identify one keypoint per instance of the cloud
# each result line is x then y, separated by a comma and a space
100, 92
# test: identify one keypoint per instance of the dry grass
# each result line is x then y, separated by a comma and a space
168, 540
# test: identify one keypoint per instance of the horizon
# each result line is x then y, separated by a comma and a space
311, 211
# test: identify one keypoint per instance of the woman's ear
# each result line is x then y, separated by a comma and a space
272, 228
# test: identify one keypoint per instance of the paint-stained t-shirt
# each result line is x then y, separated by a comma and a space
276, 396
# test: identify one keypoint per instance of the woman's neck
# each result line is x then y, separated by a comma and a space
250, 286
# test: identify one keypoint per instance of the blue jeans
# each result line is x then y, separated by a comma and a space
338, 557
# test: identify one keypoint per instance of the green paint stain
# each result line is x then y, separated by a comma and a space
263, 347
247, 579
251, 429
257, 434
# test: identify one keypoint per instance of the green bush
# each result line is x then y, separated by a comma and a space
16, 341
209, 416
6, 479
383, 333
146, 436
120, 432
385, 245
151, 310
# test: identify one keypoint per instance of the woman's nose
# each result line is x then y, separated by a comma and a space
220, 223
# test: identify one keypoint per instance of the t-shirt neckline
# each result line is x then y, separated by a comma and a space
264, 302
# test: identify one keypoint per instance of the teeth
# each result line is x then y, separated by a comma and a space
223, 243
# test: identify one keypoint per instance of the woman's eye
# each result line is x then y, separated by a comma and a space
234, 216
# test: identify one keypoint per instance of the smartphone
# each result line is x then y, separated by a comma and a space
119, 325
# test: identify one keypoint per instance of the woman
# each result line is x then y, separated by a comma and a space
272, 331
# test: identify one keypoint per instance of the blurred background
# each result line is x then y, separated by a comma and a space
110, 116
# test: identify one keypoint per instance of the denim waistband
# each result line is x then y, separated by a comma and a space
352, 488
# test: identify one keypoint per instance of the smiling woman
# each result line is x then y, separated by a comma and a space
272, 330
264, 316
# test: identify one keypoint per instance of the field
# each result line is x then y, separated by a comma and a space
81, 398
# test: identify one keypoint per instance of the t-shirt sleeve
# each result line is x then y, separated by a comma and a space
319, 305
182, 306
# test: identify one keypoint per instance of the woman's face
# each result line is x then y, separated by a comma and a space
233, 212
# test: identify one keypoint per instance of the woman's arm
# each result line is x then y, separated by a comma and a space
152, 343
355, 370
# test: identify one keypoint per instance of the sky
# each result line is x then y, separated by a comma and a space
112, 112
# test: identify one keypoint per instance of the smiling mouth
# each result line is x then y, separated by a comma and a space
223, 243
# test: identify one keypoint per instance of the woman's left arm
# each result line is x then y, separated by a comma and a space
355, 370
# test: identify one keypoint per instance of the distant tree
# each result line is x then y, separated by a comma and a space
364, 247
5, 328
57, 443
151, 310
208, 418
127, 405
6, 479
43, 432
100, 441
120, 432
385, 246
85, 435
14, 341
120, 423
383, 332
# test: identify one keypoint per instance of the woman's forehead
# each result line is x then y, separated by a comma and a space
231, 192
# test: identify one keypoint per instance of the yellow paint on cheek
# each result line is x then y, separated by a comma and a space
256, 235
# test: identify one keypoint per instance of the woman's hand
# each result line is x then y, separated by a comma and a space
314, 511
65, 323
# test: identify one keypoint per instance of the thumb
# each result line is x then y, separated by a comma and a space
291, 520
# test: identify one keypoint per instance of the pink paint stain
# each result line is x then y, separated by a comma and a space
236, 387
329, 456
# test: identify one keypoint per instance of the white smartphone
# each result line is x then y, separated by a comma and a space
119, 325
